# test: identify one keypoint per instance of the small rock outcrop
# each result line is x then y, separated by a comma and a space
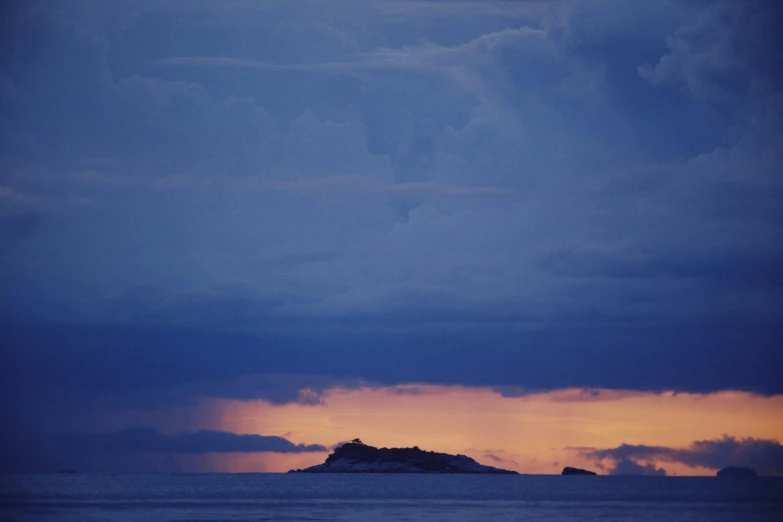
737, 472
568, 470
355, 457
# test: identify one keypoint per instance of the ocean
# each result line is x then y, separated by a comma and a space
452, 498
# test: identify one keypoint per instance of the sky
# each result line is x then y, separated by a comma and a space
540, 233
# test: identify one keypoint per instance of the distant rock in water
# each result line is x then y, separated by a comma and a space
737, 472
354, 457
576, 471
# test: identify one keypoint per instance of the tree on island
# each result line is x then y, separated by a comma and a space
357, 440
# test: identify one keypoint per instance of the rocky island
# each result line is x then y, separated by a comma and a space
356, 457
568, 470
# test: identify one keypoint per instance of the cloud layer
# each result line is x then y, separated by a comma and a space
151, 440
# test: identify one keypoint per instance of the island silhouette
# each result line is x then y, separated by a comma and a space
357, 457
737, 472
568, 470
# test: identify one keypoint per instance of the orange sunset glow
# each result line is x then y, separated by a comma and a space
535, 433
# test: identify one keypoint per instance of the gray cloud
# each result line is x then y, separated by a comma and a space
629, 467
497, 457
763, 455
15, 226
9, 197
361, 185
711, 57
720, 269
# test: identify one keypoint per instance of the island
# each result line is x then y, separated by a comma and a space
357, 457
568, 470
737, 472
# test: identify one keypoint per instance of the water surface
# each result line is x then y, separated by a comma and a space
302, 497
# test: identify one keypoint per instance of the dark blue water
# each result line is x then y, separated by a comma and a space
453, 498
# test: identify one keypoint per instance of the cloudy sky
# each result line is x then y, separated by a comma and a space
234, 234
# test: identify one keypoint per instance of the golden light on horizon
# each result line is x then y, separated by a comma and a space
533, 433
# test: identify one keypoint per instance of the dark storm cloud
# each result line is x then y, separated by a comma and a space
151, 440
765, 456
529, 197
621, 356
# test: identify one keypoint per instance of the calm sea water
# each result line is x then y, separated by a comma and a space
453, 498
